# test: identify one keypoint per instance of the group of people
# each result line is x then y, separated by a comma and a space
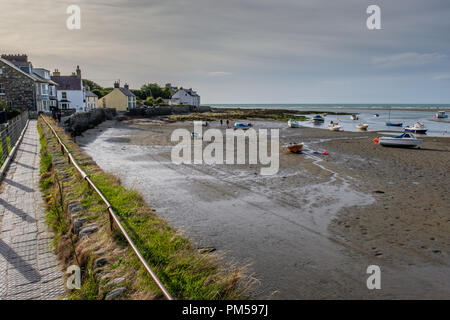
56, 114
228, 123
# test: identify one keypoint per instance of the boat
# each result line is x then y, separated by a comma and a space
354, 117
441, 115
416, 128
294, 123
334, 126
295, 147
195, 135
405, 140
243, 126
393, 124
317, 119
362, 126
376, 115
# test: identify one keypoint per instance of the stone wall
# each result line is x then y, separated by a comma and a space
77, 123
167, 110
19, 89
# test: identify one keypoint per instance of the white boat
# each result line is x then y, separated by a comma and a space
294, 123
354, 117
362, 126
441, 115
416, 128
407, 140
334, 126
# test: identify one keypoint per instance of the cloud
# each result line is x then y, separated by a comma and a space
441, 77
219, 74
407, 59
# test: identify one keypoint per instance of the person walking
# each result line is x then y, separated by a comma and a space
228, 123
58, 114
221, 122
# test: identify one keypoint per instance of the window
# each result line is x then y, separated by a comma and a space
64, 95
2, 88
44, 88
1, 71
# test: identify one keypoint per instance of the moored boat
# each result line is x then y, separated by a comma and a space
406, 140
416, 128
294, 123
317, 119
362, 126
294, 147
394, 124
441, 115
243, 126
354, 117
334, 126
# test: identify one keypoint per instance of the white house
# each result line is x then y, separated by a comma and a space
48, 90
186, 97
91, 100
70, 91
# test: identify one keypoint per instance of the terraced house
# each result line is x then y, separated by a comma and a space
122, 99
24, 87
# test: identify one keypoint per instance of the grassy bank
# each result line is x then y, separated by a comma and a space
185, 271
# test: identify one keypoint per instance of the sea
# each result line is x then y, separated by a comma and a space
375, 115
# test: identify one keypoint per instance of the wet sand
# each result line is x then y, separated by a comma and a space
311, 231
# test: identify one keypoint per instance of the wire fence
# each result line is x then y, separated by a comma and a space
10, 133
114, 220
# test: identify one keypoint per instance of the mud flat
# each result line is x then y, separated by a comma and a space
310, 231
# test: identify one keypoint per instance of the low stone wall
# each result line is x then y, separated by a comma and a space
167, 110
80, 122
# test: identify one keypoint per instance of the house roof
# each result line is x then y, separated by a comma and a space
190, 92
90, 94
126, 92
67, 82
32, 76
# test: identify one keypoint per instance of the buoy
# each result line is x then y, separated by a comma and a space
376, 140
325, 152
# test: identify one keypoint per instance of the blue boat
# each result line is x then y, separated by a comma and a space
394, 124
242, 126
318, 119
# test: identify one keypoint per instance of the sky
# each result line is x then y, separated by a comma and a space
245, 51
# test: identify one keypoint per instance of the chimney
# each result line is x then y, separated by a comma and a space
126, 86
56, 73
116, 84
78, 72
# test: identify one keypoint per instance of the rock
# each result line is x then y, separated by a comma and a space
91, 228
206, 250
115, 293
100, 262
78, 224
74, 207
378, 191
117, 281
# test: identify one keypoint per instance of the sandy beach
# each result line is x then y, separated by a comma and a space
310, 231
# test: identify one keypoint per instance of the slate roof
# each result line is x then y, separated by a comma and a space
67, 82
126, 92
33, 76
90, 94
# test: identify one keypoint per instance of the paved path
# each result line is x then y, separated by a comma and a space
28, 267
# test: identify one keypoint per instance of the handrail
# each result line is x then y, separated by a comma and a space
112, 215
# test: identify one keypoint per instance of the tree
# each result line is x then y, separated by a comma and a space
92, 85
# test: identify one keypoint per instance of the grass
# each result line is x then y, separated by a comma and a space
186, 273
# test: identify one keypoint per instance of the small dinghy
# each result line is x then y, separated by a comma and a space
294, 147
243, 126
441, 115
376, 115
416, 128
293, 123
362, 126
394, 124
354, 117
334, 126
195, 135
406, 140
318, 119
